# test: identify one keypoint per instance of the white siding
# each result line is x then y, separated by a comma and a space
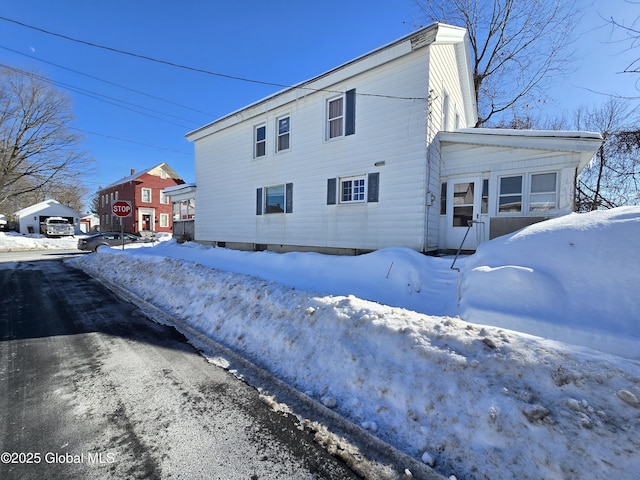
389, 130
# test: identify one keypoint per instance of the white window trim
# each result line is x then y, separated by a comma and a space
164, 198
342, 117
164, 220
526, 194
255, 140
352, 178
142, 190
278, 135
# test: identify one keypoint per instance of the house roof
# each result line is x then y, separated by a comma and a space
436, 33
586, 144
43, 205
134, 176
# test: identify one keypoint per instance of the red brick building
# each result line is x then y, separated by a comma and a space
145, 190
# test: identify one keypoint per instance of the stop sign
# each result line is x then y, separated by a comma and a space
121, 208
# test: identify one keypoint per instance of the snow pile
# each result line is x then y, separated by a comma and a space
476, 401
574, 279
13, 241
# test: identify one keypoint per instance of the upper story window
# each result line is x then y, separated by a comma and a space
335, 117
260, 141
164, 198
284, 128
146, 195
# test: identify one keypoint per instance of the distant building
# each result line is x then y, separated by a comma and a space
152, 210
28, 219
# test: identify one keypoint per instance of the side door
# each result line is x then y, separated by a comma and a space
463, 212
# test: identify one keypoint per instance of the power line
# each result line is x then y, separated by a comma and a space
196, 69
107, 81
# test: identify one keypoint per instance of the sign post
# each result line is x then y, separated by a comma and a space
121, 209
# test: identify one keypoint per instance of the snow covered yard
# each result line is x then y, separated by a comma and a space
377, 339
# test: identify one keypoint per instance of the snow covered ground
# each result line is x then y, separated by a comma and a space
381, 339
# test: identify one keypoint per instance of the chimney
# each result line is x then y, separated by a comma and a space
133, 170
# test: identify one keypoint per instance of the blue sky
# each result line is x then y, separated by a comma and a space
279, 41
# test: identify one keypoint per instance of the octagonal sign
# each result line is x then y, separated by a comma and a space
121, 208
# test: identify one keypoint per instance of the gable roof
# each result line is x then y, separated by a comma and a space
152, 171
437, 33
43, 205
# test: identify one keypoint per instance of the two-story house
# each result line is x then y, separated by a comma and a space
152, 210
379, 152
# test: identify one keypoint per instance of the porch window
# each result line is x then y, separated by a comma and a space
484, 206
510, 196
543, 195
463, 194
443, 198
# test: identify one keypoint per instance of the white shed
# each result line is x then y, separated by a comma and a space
29, 218
351, 160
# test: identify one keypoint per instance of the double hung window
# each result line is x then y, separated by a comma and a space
260, 141
335, 117
543, 192
284, 127
146, 195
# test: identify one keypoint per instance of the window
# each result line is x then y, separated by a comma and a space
484, 205
463, 197
163, 197
445, 113
543, 192
260, 141
282, 141
510, 197
164, 220
443, 198
146, 195
352, 190
335, 116
274, 199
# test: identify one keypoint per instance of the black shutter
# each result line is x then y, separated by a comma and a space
373, 187
288, 198
331, 191
259, 201
350, 122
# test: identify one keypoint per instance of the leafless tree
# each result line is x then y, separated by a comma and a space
516, 47
612, 179
38, 149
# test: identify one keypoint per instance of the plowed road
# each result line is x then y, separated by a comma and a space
90, 388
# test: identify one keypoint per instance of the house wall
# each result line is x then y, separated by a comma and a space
390, 139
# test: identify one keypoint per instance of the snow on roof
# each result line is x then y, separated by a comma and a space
530, 133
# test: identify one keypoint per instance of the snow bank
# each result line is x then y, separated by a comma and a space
12, 242
574, 279
477, 401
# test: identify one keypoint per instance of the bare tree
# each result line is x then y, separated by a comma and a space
516, 46
612, 178
38, 150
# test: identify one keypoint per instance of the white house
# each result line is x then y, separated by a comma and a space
29, 218
375, 153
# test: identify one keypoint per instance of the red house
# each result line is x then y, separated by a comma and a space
145, 190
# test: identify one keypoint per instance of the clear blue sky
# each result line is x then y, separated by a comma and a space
279, 41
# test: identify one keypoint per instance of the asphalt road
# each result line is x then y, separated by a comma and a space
90, 388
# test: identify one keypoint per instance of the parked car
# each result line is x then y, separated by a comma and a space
112, 239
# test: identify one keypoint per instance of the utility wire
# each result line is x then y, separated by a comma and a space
195, 69
107, 81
